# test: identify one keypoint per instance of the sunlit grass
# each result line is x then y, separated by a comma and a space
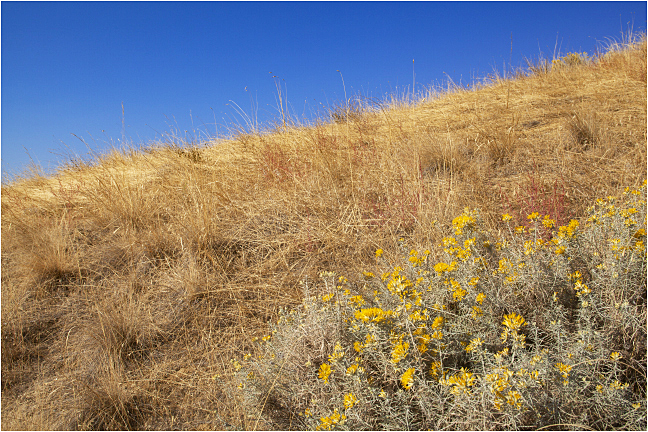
133, 285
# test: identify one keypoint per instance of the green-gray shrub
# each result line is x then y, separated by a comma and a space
545, 327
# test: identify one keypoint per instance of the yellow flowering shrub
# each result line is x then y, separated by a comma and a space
529, 334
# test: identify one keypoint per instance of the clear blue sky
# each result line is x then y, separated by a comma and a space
67, 67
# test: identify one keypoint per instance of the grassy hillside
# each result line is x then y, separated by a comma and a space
129, 285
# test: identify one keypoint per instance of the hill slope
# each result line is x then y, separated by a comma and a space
129, 285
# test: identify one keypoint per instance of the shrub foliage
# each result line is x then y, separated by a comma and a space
540, 326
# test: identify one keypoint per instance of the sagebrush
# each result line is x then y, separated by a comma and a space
543, 327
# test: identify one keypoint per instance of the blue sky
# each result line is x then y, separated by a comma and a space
67, 67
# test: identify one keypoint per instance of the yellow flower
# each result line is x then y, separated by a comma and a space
615, 356
513, 321
569, 230
368, 275
618, 385
423, 340
358, 300
418, 316
581, 289
338, 353
399, 352
533, 216
529, 247
379, 253
477, 342
435, 368
324, 372
513, 399
398, 285
574, 276
548, 222
629, 222
382, 394
349, 400
463, 254
443, 267
480, 298
331, 421
461, 381
564, 369
458, 293
407, 380
372, 315
534, 375
438, 323
449, 241
463, 221
506, 217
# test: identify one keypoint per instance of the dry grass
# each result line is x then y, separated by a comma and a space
129, 285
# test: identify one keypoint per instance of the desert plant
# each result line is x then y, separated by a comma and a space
498, 333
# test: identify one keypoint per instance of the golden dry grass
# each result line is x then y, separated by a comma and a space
129, 285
